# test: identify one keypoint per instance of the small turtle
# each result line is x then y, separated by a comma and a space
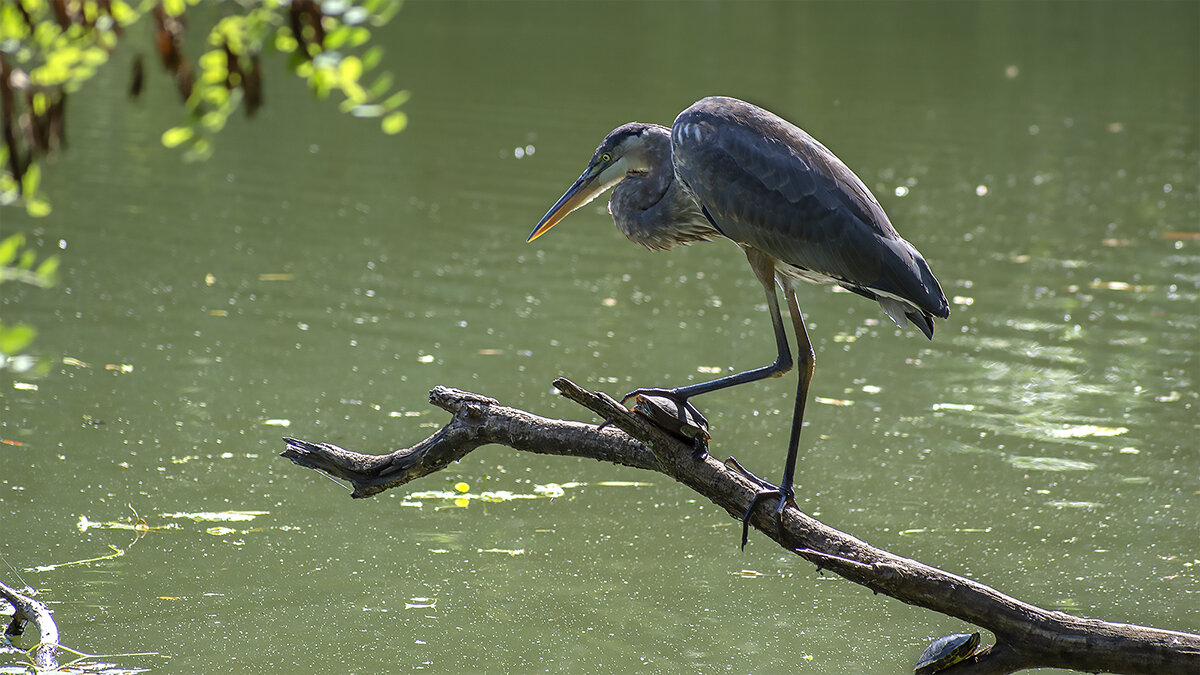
665, 414
947, 651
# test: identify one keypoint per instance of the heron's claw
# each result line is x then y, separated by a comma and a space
685, 406
766, 489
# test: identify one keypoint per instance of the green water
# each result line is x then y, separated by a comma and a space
1043, 157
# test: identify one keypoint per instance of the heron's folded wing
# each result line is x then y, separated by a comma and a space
768, 184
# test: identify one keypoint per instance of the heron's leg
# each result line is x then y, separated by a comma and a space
807, 365
764, 268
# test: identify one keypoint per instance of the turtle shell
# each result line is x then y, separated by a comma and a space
665, 414
947, 651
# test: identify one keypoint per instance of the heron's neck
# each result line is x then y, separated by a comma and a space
650, 206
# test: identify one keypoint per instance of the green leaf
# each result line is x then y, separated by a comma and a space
33, 176
212, 66
48, 271
381, 85
38, 208
372, 57
394, 123
285, 43
9, 247
359, 36
337, 37
123, 13
176, 135
15, 338
350, 69
396, 100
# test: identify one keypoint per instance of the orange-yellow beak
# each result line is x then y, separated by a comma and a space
582, 191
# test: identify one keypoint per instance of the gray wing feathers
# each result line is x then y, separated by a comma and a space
768, 184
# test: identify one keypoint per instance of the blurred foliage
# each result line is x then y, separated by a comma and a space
49, 48
19, 263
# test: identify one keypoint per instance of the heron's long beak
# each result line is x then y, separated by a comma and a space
582, 191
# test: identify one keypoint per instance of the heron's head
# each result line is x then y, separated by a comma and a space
625, 150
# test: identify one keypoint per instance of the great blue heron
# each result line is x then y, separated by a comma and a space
728, 168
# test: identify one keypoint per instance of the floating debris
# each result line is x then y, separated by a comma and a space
1085, 430
218, 516
1119, 286
510, 551
1050, 464
1065, 504
965, 407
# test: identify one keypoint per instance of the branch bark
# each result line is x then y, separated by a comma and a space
1026, 636
25, 610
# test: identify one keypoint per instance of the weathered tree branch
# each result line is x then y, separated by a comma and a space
1026, 636
25, 610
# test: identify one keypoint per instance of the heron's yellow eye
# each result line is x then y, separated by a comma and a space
606, 157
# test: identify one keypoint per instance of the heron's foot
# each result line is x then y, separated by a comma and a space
786, 496
681, 401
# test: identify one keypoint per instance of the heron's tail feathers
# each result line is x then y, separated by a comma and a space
898, 312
